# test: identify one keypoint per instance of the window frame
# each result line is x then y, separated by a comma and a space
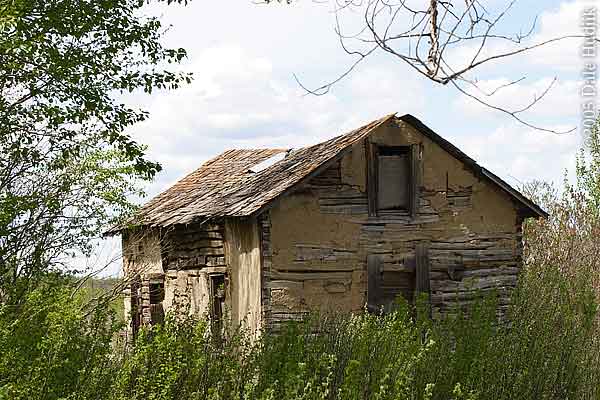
373, 151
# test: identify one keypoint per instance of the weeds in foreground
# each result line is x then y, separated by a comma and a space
547, 348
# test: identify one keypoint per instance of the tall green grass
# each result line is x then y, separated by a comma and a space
546, 347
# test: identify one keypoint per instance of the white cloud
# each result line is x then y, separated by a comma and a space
539, 67
240, 100
519, 154
552, 59
243, 94
563, 55
560, 101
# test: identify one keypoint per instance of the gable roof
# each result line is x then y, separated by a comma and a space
225, 186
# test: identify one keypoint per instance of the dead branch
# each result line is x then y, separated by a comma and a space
426, 39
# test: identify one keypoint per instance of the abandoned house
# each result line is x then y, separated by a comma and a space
263, 236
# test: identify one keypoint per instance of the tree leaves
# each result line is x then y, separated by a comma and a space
67, 162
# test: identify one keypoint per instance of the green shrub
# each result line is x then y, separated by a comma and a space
545, 347
52, 349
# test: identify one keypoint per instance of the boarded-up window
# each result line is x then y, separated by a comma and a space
385, 287
393, 180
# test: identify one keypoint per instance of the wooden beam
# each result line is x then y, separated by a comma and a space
374, 279
371, 156
415, 180
422, 269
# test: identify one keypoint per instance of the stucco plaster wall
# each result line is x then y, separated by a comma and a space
242, 254
321, 234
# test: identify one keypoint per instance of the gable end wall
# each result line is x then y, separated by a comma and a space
321, 235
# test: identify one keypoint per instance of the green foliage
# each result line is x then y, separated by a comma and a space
569, 239
344, 357
588, 171
183, 360
107, 291
50, 349
546, 346
68, 167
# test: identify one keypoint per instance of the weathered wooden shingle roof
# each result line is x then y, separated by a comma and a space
225, 186
198, 192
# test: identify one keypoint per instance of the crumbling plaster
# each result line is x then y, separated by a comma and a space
331, 282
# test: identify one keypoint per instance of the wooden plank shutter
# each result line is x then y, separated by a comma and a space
374, 279
415, 179
394, 181
422, 269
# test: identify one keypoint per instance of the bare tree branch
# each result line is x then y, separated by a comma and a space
425, 38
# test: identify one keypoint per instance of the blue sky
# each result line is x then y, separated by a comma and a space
243, 56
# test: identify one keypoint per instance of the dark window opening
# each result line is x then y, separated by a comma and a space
217, 303
136, 305
385, 287
217, 292
393, 178
157, 295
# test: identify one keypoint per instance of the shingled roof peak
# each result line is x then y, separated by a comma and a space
224, 186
